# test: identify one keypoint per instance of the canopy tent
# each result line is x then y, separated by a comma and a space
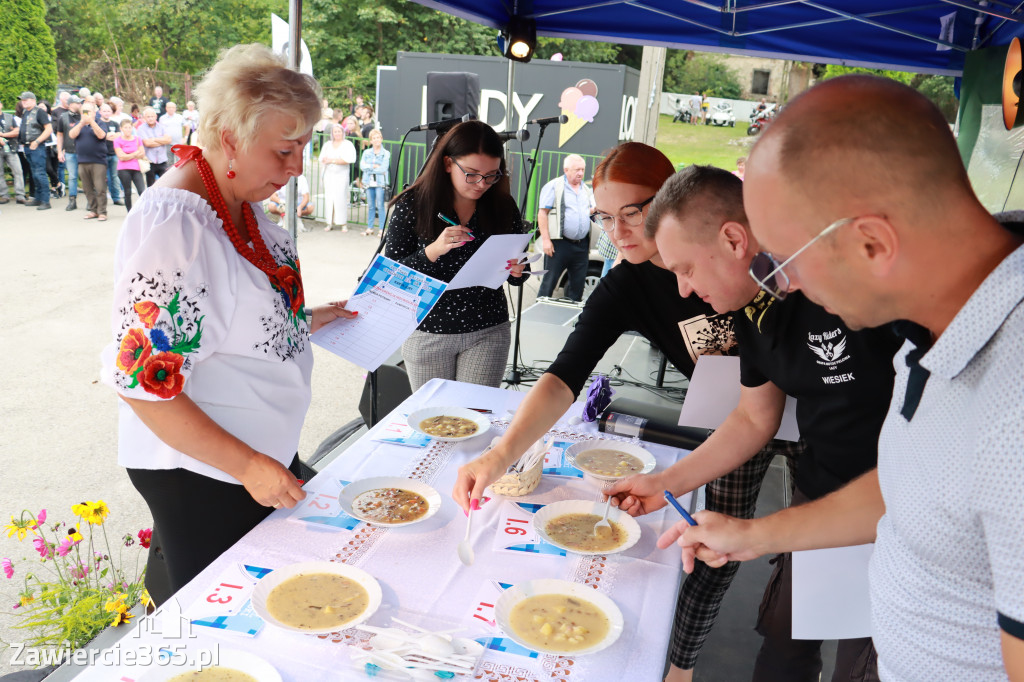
925, 37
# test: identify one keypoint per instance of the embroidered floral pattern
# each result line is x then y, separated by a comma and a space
154, 355
286, 329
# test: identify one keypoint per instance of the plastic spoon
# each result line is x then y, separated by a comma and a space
603, 524
465, 550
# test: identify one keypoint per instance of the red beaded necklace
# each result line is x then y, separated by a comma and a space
258, 254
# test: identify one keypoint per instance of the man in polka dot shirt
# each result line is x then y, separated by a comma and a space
861, 178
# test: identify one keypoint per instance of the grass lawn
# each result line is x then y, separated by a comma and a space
685, 144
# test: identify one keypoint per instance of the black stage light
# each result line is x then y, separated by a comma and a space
519, 39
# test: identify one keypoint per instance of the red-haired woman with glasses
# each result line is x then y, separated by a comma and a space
461, 198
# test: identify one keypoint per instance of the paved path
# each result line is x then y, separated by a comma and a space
58, 424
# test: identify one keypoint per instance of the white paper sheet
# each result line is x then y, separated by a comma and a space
486, 268
714, 392
391, 300
830, 593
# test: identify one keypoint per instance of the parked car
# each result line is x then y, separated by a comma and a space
721, 115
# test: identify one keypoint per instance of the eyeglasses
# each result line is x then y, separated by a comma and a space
631, 215
768, 272
474, 178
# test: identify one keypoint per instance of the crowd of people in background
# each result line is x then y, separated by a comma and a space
85, 140
41, 148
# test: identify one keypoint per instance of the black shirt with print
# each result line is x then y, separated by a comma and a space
842, 382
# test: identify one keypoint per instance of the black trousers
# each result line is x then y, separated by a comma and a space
195, 520
155, 171
128, 178
572, 256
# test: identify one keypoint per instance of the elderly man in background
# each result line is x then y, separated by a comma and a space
564, 225
155, 139
35, 130
862, 180
174, 124
158, 101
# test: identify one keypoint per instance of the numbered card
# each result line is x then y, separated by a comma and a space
321, 507
515, 531
225, 604
481, 616
400, 433
554, 461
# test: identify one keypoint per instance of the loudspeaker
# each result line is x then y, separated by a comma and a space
392, 388
451, 94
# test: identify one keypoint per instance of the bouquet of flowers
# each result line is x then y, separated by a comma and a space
77, 586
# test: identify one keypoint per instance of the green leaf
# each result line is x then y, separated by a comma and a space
172, 307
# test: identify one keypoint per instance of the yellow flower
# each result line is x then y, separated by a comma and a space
146, 599
119, 609
26, 599
19, 528
122, 617
116, 604
93, 512
74, 534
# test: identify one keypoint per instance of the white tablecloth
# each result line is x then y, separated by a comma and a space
420, 573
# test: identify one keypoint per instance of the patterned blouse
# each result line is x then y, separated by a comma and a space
192, 316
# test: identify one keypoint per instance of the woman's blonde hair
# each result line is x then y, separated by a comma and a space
245, 86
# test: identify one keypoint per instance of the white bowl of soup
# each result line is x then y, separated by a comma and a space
231, 665
316, 597
389, 501
606, 461
449, 423
569, 524
558, 617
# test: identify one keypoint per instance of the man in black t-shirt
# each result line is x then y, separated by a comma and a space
158, 101
841, 380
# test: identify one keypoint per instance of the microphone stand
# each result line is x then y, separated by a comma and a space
380, 247
514, 376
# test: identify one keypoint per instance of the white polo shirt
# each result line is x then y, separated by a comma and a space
948, 567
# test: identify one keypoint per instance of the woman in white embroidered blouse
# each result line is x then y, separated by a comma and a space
210, 353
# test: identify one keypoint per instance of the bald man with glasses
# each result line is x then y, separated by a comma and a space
873, 164
841, 380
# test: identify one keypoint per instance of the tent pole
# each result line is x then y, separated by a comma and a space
294, 55
648, 96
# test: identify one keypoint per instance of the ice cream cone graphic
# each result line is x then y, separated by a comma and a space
570, 127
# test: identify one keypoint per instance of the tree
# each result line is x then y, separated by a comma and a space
939, 89
28, 60
691, 72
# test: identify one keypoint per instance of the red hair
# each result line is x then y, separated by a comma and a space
634, 163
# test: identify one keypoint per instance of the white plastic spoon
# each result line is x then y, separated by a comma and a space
465, 549
603, 523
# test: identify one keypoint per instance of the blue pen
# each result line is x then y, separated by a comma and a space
679, 508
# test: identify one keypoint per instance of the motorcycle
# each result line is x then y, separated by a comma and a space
759, 119
682, 112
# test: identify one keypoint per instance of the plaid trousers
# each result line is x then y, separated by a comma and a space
700, 595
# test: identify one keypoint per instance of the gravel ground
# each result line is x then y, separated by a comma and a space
59, 424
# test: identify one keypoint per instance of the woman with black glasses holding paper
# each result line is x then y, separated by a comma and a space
461, 198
